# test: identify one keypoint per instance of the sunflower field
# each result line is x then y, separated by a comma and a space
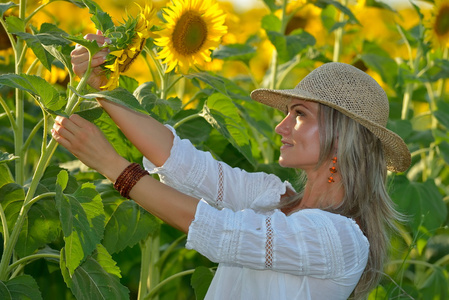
67, 234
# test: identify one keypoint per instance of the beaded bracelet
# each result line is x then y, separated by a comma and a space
128, 179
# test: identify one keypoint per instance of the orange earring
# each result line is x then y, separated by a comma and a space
333, 170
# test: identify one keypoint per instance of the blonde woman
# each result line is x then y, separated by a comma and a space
327, 241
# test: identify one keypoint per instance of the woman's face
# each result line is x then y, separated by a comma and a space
300, 135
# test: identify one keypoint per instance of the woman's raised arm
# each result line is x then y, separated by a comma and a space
151, 137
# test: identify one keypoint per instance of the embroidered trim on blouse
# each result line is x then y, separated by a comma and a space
269, 244
220, 193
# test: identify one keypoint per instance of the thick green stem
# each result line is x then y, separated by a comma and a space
19, 96
149, 272
442, 82
74, 100
274, 59
41, 166
339, 36
164, 86
407, 100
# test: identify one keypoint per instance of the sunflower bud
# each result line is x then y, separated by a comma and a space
127, 42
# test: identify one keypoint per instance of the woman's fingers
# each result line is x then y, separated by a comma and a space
80, 60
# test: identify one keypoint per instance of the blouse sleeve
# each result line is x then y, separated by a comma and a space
309, 242
198, 174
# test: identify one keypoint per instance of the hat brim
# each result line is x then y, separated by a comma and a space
396, 152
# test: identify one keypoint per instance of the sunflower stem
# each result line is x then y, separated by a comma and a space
31, 67
27, 19
406, 101
274, 59
4, 226
149, 273
251, 75
155, 289
164, 83
186, 119
442, 81
172, 84
30, 258
10, 36
339, 35
73, 102
8, 113
19, 56
32, 134
157, 63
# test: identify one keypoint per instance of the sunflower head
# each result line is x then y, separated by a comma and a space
192, 30
127, 42
439, 24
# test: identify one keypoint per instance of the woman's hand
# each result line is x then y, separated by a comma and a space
80, 61
84, 140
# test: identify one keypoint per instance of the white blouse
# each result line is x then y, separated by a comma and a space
310, 254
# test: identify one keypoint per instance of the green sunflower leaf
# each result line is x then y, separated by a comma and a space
5, 157
344, 9
214, 81
126, 222
427, 208
76, 2
49, 34
92, 46
442, 113
5, 6
45, 93
120, 96
103, 257
12, 196
201, 279
41, 226
239, 52
220, 112
15, 24
291, 45
92, 280
271, 4
271, 23
82, 219
20, 287
101, 19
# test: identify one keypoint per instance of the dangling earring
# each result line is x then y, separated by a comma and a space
333, 170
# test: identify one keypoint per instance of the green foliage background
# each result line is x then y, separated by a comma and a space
66, 233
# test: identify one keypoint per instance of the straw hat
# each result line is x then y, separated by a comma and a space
353, 93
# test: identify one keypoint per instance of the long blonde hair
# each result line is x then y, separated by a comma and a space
362, 167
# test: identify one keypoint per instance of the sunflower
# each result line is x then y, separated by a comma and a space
439, 23
193, 29
128, 41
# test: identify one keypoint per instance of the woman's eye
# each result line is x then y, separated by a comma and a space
299, 113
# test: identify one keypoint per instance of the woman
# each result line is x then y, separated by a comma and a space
325, 242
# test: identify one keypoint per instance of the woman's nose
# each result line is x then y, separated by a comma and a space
283, 127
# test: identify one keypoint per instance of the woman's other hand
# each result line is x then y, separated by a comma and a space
80, 61
84, 140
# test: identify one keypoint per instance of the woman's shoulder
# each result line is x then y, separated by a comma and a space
327, 220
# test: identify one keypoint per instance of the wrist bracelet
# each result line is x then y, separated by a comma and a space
128, 179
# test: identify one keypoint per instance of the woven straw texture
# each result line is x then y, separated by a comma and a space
352, 92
